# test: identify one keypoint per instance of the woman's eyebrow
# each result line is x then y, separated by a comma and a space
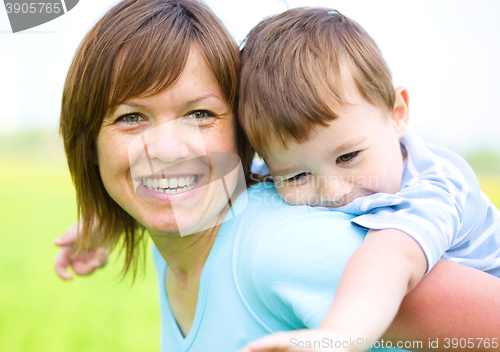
134, 105
197, 100
187, 104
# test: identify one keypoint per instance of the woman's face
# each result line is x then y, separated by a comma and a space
155, 154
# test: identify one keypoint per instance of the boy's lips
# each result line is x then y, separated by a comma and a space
343, 201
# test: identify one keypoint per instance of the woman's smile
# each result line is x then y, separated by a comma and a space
170, 185
154, 152
169, 188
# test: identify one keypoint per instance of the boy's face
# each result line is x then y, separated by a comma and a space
358, 154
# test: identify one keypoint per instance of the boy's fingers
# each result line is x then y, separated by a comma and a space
60, 241
268, 349
102, 255
85, 267
69, 237
61, 264
262, 349
274, 342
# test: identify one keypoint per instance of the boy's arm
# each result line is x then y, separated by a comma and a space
82, 263
387, 266
452, 301
378, 275
452, 304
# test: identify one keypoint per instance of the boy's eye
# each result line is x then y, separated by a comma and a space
131, 118
346, 158
297, 178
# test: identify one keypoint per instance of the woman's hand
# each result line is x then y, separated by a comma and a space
82, 263
320, 340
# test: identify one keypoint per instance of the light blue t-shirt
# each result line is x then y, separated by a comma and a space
273, 267
440, 205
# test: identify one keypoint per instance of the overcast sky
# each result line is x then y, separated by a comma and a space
446, 52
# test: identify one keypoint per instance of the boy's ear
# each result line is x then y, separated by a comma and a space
400, 114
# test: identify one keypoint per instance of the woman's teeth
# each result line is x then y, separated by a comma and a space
172, 185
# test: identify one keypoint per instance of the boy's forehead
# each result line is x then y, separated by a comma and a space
341, 132
275, 156
340, 135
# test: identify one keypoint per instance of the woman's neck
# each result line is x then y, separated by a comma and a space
187, 255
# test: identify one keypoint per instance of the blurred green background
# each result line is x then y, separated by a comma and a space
40, 312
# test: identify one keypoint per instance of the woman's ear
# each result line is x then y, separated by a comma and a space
400, 114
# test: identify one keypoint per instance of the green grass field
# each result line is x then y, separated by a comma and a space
40, 312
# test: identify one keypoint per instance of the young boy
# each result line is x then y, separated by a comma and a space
317, 102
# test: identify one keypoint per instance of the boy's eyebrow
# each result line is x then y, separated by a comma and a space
285, 171
342, 147
349, 144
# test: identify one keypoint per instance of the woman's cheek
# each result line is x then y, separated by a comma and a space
112, 151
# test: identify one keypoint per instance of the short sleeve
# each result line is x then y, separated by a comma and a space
428, 208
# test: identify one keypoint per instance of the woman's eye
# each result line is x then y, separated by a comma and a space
131, 118
200, 114
346, 158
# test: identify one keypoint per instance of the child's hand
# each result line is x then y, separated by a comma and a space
81, 263
298, 341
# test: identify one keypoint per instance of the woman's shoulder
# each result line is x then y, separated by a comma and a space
280, 251
264, 210
262, 201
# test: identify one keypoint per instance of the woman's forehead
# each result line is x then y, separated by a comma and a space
189, 80
197, 76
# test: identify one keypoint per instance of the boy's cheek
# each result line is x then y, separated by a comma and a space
297, 196
388, 182
287, 194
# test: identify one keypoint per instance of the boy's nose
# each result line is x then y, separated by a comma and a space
333, 189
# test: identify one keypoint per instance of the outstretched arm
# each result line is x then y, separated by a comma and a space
387, 266
379, 274
451, 302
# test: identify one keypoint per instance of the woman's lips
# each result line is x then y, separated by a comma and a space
178, 188
170, 185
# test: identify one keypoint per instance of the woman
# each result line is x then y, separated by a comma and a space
149, 128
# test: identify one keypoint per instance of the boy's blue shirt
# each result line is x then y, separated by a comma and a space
440, 205
273, 267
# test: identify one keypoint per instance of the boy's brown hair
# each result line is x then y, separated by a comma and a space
293, 74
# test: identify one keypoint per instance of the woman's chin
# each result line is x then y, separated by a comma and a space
181, 226
180, 219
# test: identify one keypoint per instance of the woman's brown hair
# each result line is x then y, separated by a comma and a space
138, 48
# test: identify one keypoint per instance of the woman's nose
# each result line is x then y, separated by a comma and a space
173, 142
